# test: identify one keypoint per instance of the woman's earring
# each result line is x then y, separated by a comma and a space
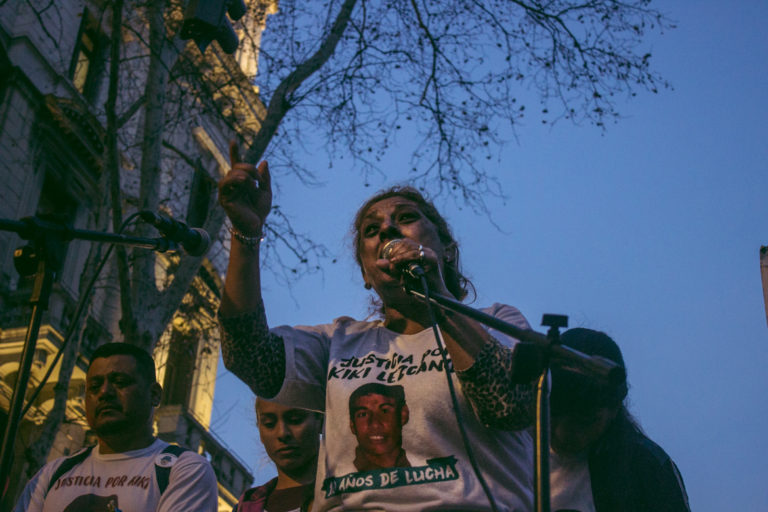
368, 286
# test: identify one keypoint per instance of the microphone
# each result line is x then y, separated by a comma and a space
195, 241
411, 269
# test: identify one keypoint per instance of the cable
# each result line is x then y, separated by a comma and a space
76, 317
454, 400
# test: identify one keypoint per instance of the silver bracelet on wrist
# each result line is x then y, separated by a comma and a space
248, 241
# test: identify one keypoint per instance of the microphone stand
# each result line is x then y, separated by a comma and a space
550, 346
43, 258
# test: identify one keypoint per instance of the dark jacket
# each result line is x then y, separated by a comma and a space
631, 473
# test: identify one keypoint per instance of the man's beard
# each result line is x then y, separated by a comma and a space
122, 425
112, 427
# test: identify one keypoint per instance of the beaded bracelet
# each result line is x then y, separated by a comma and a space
249, 241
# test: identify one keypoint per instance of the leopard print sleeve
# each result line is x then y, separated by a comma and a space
252, 352
497, 401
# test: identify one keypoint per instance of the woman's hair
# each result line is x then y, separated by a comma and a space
575, 393
456, 282
319, 415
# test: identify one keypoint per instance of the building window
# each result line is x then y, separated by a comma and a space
55, 200
86, 68
180, 368
55, 205
83, 59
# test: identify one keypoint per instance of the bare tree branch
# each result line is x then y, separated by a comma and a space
280, 102
129, 113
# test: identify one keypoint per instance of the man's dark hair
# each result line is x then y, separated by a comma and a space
144, 362
374, 388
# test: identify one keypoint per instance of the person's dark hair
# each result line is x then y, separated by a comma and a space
456, 282
395, 392
144, 362
573, 392
619, 441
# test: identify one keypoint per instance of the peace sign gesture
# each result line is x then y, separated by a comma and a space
245, 193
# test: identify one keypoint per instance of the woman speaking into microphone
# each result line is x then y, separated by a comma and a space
413, 421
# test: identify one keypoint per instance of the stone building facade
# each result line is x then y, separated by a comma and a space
53, 85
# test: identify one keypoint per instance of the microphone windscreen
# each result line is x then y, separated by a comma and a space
386, 251
201, 245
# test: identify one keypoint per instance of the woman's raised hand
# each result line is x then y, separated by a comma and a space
245, 193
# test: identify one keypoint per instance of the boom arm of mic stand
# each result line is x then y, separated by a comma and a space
30, 228
573, 359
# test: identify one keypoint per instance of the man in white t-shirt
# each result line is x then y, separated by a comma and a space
129, 470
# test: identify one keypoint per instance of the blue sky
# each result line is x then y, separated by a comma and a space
649, 231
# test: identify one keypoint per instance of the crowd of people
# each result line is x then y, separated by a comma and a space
415, 410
